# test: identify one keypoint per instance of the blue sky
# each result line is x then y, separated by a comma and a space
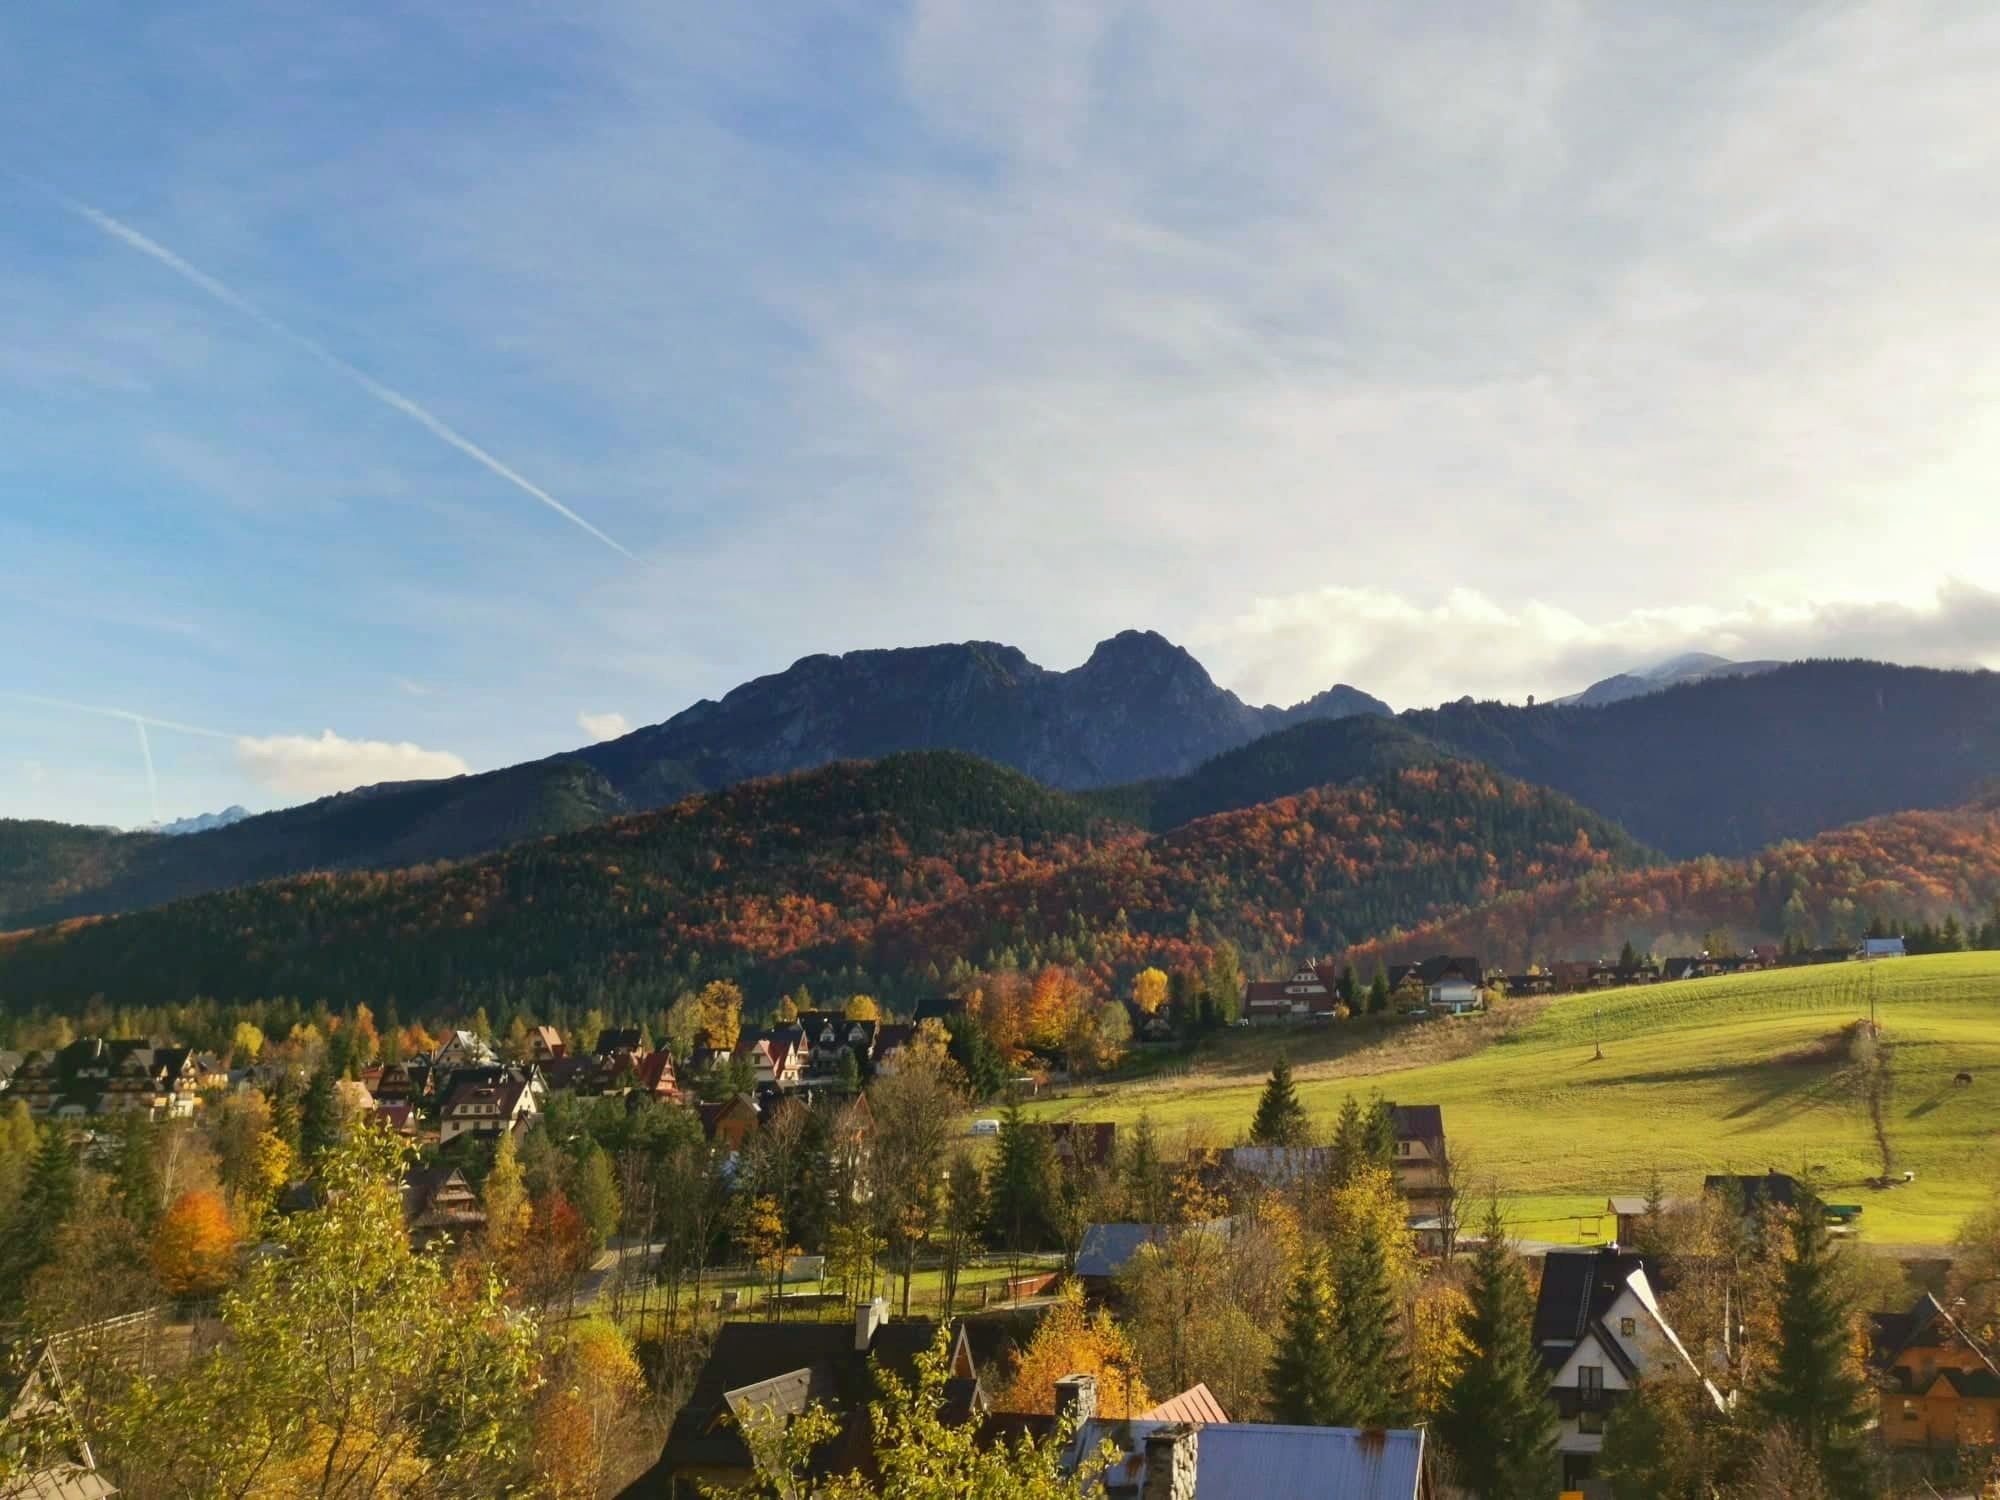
1487, 353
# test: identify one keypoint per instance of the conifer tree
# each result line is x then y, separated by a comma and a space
1378, 992
1811, 1385
319, 1117
1018, 1190
1350, 1144
138, 1178
1497, 1421
1304, 1375
1281, 1119
1373, 1372
46, 1201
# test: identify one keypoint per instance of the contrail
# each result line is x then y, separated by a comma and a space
137, 721
387, 395
119, 713
152, 781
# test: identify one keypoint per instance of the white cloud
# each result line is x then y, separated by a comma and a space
296, 765
1286, 647
603, 726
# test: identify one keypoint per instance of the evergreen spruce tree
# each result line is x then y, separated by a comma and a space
138, 1178
1811, 1385
1378, 1134
319, 1117
1350, 1144
1281, 1119
1378, 992
1373, 1373
1347, 989
1304, 1377
46, 1201
1497, 1421
1018, 1189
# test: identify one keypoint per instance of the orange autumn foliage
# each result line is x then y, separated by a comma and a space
1073, 1341
194, 1248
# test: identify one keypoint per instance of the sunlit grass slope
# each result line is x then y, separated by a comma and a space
1703, 1076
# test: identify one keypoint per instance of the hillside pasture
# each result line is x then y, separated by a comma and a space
1713, 1075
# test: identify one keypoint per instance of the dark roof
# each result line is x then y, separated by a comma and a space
784, 1364
1927, 1326
1578, 1289
1107, 1248
1417, 1122
617, 1039
945, 1008
1446, 966
1090, 1142
1754, 1192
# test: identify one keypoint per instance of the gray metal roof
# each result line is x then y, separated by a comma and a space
1107, 1247
1257, 1461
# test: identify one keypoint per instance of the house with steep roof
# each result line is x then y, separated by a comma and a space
1939, 1388
546, 1044
1423, 1169
653, 1075
730, 1122
477, 1107
462, 1050
774, 1055
440, 1202
49, 1457
781, 1368
1599, 1329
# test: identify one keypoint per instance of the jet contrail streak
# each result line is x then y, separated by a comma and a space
152, 781
387, 395
119, 713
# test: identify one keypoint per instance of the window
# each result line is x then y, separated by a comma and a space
1910, 1412
1402, 1148
1628, 1326
1590, 1385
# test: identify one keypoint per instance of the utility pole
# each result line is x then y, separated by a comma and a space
1597, 1031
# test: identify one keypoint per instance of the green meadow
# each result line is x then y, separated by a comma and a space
1715, 1075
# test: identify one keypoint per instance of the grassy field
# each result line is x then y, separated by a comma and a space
1715, 1075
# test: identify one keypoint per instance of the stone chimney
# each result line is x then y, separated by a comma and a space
1172, 1456
866, 1320
1076, 1398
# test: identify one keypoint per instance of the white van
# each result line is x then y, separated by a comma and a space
985, 1127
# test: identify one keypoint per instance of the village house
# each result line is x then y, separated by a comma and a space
783, 1367
1107, 1249
49, 1456
730, 1122
1423, 1170
481, 1108
1939, 1389
1453, 996
1302, 995
827, 1032
654, 1076
1883, 947
776, 1059
462, 1050
1599, 1329
545, 1044
438, 1203
1191, 1457
1079, 1143
92, 1076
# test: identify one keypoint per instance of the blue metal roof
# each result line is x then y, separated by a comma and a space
1256, 1461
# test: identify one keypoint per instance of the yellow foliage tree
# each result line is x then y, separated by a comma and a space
1149, 990
720, 1008
862, 1008
1073, 1341
1372, 1197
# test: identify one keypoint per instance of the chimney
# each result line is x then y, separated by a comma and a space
866, 1321
1172, 1456
1076, 1398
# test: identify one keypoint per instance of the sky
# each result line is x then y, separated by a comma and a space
394, 391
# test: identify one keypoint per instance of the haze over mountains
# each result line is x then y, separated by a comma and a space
1713, 757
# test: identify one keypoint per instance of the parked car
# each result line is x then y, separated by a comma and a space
985, 1127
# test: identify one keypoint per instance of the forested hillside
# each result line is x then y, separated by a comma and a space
1905, 869
47, 877
1296, 876
1731, 764
875, 875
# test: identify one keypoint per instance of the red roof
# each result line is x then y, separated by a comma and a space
1195, 1404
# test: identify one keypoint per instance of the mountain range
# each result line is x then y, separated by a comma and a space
1715, 758
1694, 666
